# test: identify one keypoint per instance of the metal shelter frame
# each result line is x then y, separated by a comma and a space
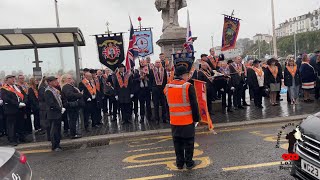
34, 38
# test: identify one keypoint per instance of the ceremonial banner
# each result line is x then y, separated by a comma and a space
201, 94
144, 42
110, 49
230, 32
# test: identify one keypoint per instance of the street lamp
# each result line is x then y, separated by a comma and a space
58, 26
274, 31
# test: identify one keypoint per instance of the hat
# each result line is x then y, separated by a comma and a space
121, 66
180, 70
86, 70
92, 71
51, 78
256, 61
221, 57
230, 61
10, 76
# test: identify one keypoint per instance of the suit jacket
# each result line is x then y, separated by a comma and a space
52, 105
123, 93
252, 79
71, 94
153, 81
86, 93
42, 100
268, 77
11, 101
236, 79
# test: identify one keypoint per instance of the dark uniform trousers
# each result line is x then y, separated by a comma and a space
125, 111
222, 84
11, 127
135, 101
145, 102
28, 123
65, 122
159, 97
74, 119
238, 95
91, 110
55, 132
258, 96
2, 121
21, 123
36, 116
184, 148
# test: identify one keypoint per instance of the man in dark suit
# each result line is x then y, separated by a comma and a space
237, 72
135, 91
97, 82
123, 89
87, 86
113, 103
54, 111
158, 78
13, 102
74, 103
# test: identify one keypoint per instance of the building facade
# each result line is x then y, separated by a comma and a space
300, 24
262, 37
229, 54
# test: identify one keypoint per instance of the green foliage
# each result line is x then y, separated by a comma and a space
307, 42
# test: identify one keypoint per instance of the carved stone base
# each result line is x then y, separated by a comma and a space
172, 39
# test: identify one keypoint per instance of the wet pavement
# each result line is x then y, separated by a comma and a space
249, 113
246, 153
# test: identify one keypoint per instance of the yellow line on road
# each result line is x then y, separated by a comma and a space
251, 166
36, 151
154, 177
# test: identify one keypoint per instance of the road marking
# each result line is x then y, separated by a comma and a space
251, 166
36, 151
154, 177
134, 158
148, 149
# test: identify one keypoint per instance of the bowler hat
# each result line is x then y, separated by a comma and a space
180, 70
256, 61
10, 76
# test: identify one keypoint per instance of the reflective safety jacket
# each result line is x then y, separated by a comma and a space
179, 104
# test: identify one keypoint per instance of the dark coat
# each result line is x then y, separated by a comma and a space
307, 73
189, 130
288, 78
42, 99
71, 95
153, 81
268, 77
33, 100
86, 93
136, 82
123, 93
52, 105
11, 102
209, 84
236, 79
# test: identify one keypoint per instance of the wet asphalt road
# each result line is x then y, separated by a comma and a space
234, 153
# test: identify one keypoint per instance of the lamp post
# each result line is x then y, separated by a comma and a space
274, 31
58, 26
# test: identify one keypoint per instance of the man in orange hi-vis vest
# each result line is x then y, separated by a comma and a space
184, 112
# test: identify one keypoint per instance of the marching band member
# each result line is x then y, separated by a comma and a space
123, 88
159, 81
13, 102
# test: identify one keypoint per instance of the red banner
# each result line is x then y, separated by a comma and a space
230, 32
201, 93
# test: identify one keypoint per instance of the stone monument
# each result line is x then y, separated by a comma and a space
173, 36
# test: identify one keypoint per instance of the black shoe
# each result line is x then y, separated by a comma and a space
123, 122
164, 121
76, 137
241, 107
260, 106
87, 129
142, 120
192, 166
245, 104
114, 119
229, 110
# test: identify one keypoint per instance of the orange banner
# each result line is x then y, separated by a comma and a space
201, 93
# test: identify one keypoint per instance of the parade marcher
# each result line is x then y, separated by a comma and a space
159, 80
44, 122
256, 82
135, 92
27, 110
108, 92
55, 110
184, 113
214, 59
113, 103
317, 69
33, 94
13, 102
144, 92
87, 86
224, 69
205, 75
99, 96
74, 102
64, 117
272, 79
292, 80
123, 89
237, 72
308, 78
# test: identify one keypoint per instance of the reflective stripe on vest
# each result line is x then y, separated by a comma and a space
178, 102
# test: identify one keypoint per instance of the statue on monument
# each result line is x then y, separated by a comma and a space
170, 10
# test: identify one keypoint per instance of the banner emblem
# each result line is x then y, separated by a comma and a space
230, 32
144, 42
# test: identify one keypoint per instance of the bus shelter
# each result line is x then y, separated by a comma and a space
35, 38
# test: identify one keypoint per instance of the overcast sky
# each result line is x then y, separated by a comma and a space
91, 16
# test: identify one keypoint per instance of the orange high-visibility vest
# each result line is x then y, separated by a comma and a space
179, 104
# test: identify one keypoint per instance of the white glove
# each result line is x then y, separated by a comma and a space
131, 96
116, 98
232, 88
21, 105
63, 110
93, 96
89, 99
1, 102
